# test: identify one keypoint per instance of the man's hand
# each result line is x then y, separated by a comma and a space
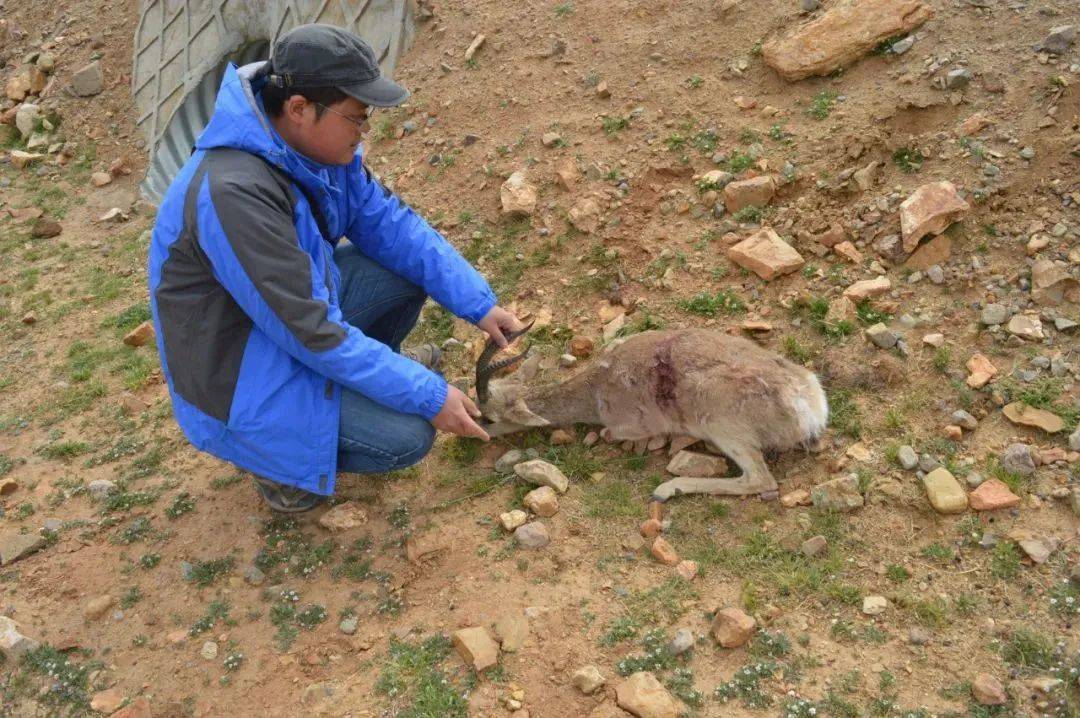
496, 322
456, 415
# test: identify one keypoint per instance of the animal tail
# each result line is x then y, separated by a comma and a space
811, 409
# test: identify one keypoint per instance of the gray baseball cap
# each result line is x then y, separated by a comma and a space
327, 56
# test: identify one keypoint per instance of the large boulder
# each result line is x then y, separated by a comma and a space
843, 34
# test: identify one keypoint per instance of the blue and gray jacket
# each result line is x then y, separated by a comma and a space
243, 290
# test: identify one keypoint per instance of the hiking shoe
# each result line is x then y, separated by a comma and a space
427, 354
286, 499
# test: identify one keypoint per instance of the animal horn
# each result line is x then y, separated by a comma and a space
485, 369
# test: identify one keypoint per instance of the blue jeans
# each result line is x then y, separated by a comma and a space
372, 437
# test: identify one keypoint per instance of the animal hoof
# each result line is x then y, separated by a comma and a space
658, 498
769, 495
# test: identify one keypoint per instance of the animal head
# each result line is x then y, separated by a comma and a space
502, 400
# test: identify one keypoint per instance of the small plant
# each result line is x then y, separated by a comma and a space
1005, 561
896, 573
613, 125
621, 629
413, 676
1065, 598
745, 685
1028, 648
216, 611
149, 560
223, 482
749, 215
137, 531
182, 504
739, 162
564, 9
769, 645
844, 414
205, 573
233, 661
937, 552
707, 305
675, 142
694, 82
908, 160
866, 313
822, 104
795, 350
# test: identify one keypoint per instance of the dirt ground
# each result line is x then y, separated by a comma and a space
132, 585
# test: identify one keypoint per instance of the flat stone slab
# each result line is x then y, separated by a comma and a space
946, 494
930, 210
992, 495
1020, 413
766, 255
14, 546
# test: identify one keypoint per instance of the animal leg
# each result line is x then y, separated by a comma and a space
756, 477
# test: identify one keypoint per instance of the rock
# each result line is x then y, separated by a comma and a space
974, 125
612, 328
1051, 285
663, 552
693, 463
99, 489
874, 605
643, 696
107, 701
810, 5
476, 44
209, 650
866, 176
1036, 244
930, 210
18, 86
907, 457
542, 501
541, 473
45, 228
964, 420
993, 495
8, 487
1059, 39
343, 517
505, 463
26, 119
798, 497
958, 79
981, 371
847, 251
512, 519
532, 535
881, 336
12, 643
349, 624
511, 630
841, 494
20, 160
1037, 548
987, 690
866, 288
97, 607
1074, 441
1064, 324
974, 480
831, 237
814, 546
1026, 327
681, 643
841, 35
765, 254
753, 192
602, 90
88, 81
582, 347
935, 340
732, 627
14, 546
476, 647
550, 139
419, 546
651, 528
100, 179
567, 174
918, 636
946, 494
587, 679
518, 196
993, 314
585, 216
140, 335
931, 254
1017, 459
1020, 413
686, 569
138, 708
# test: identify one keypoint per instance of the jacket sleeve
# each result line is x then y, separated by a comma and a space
390, 232
246, 229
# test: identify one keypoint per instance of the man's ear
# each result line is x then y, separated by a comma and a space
520, 414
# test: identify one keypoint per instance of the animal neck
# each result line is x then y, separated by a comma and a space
566, 402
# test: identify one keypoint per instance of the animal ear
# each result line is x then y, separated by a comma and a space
520, 414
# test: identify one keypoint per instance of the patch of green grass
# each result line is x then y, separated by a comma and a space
139, 530
930, 612
942, 360
123, 499
643, 322
564, 9
205, 573
739, 162
130, 597
413, 678
897, 573
6, 465
614, 124
182, 504
694, 82
1005, 560
286, 546
844, 413
709, 305
463, 451
128, 319
750, 214
745, 685
1028, 648
66, 684
610, 499
65, 449
223, 482
796, 351
766, 644
822, 104
908, 160
938, 552
817, 312
665, 602
622, 628
866, 313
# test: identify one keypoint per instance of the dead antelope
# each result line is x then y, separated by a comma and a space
727, 391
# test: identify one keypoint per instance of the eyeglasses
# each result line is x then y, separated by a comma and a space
359, 123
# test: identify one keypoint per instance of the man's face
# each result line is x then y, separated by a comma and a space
333, 137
